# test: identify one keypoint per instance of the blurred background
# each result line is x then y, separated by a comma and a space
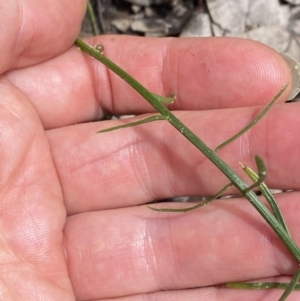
272, 22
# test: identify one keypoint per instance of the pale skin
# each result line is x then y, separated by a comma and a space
72, 227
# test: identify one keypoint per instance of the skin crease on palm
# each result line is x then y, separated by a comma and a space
71, 221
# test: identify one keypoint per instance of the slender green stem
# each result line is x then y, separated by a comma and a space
209, 153
268, 196
262, 172
127, 125
291, 286
288, 287
259, 285
92, 18
201, 204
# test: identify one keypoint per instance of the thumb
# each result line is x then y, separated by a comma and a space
37, 30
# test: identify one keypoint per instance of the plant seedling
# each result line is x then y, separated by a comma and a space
273, 217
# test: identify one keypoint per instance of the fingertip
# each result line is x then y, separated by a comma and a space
272, 70
227, 72
38, 30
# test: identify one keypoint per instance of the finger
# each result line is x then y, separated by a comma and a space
214, 294
132, 251
37, 30
204, 74
154, 161
32, 213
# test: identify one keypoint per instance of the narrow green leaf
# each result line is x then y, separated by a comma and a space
254, 121
267, 194
195, 206
146, 120
259, 285
262, 172
92, 18
288, 287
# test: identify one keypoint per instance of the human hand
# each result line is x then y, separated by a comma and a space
53, 165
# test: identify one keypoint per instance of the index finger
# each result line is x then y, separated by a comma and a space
203, 73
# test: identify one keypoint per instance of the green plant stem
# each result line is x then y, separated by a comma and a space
268, 196
92, 18
262, 172
291, 286
254, 121
126, 125
209, 153
259, 285
288, 287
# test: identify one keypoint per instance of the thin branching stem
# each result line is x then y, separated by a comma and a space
268, 196
209, 153
92, 18
157, 101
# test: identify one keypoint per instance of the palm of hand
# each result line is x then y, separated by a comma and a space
32, 210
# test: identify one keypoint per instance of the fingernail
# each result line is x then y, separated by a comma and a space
295, 70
